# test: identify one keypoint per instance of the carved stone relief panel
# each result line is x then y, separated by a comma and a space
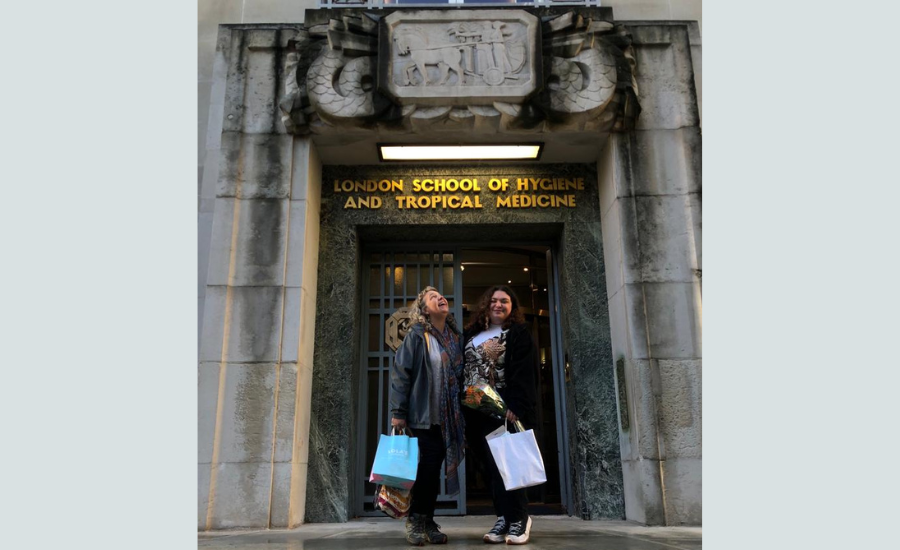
459, 57
461, 71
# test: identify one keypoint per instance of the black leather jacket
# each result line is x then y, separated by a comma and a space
411, 381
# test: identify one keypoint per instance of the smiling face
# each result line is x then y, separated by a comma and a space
500, 307
435, 304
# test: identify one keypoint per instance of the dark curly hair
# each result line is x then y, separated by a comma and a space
481, 319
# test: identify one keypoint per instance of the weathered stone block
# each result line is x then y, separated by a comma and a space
612, 249
674, 321
255, 166
242, 495
297, 244
665, 76
630, 233
203, 474
258, 247
262, 39
255, 326
220, 242
618, 322
290, 340
207, 402
606, 175
636, 318
310, 276
260, 244
643, 492
667, 239
210, 179
215, 119
695, 215
643, 409
204, 235
261, 112
298, 493
247, 412
304, 407
307, 175
680, 408
304, 168
684, 491
281, 495
666, 162
286, 412
231, 42
212, 332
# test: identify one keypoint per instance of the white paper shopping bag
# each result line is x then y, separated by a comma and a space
518, 458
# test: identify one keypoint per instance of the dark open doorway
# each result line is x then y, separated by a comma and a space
391, 277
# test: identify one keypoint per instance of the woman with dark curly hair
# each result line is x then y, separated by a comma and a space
499, 350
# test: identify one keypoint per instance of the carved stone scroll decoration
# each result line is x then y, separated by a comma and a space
486, 71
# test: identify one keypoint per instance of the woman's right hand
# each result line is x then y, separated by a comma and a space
398, 423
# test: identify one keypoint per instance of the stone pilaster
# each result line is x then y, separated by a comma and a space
650, 195
258, 320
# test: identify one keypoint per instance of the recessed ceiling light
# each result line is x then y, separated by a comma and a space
509, 282
526, 269
395, 153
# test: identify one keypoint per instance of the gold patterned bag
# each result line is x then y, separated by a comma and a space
393, 501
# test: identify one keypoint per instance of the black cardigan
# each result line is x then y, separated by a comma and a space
520, 364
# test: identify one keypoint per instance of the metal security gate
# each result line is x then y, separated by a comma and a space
391, 280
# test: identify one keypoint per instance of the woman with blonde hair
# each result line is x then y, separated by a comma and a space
425, 384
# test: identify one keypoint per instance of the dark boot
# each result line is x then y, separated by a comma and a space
415, 529
433, 532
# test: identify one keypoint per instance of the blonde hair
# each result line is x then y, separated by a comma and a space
417, 312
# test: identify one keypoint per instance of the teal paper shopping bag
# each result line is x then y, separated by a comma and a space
396, 461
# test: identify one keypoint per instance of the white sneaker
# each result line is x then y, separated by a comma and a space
518, 532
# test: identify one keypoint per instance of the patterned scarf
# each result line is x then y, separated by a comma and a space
452, 427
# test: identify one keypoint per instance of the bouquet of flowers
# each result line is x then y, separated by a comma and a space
482, 397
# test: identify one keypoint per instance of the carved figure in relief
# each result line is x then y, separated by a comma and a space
414, 43
491, 59
496, 38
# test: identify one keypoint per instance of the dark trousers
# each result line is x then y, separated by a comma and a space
427, 487
513, 505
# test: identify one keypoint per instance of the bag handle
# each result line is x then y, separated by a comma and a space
518, 424
402, 431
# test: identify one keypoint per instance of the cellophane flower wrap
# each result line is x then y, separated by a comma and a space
482, 397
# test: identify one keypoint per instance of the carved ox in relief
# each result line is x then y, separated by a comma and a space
445, 57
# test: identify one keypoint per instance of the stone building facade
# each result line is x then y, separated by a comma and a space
300, 219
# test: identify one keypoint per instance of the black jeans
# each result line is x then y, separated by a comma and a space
428, 476
513, 505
